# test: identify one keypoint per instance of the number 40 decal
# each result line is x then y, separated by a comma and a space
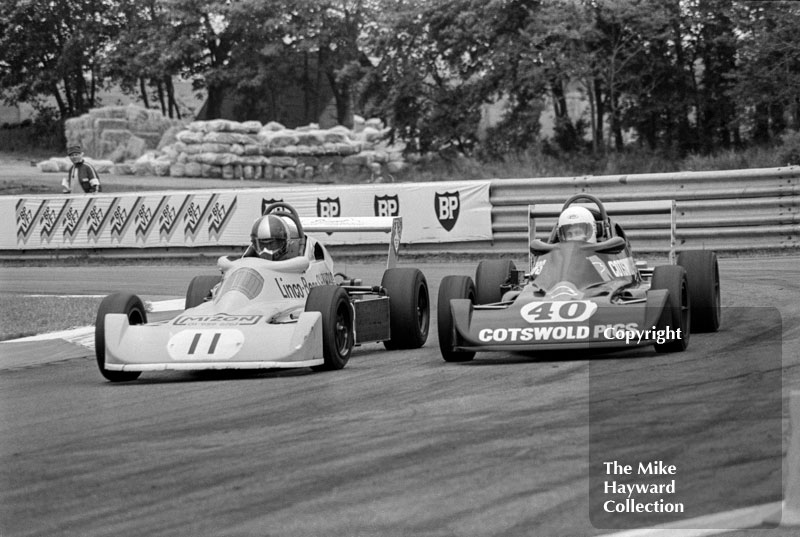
197, 345
558, 311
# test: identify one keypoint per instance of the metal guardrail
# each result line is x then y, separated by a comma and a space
737, 210
754, 210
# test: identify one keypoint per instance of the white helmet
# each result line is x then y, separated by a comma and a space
270, 237
576, 224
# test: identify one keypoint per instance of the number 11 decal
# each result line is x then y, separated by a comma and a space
211, 348
205, 345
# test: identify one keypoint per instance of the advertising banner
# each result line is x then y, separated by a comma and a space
431, 212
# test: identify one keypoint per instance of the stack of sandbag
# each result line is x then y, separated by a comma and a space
118, 133
227, 149
248, 150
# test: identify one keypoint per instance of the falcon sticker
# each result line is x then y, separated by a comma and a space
49, 221
219, 218
147, 217
169, 218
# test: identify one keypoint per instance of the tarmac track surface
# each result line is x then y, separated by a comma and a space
397, 443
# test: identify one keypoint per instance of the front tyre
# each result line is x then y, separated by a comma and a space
702, 272
452, 287
333, 303
677, 313
409, 308
200, 289
128, 304
490, 275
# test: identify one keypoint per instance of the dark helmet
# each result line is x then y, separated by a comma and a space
269, 237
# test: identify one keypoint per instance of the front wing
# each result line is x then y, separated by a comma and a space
229, 344
516, 328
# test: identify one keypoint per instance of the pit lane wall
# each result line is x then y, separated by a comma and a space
205, 219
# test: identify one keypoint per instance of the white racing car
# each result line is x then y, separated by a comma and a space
262, 314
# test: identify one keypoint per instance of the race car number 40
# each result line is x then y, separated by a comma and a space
197, 345
558, 311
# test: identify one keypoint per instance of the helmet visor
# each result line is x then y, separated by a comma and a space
270, 246
579, 231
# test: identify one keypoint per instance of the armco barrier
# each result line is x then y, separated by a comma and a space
735, 210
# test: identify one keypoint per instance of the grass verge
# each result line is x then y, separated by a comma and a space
22, 316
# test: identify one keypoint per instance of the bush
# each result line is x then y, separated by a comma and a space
43, 134
790, 148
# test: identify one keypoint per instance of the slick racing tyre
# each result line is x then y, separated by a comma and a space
333, 303
677, 313
489, 276
409, 308
200, 289
702, 271
130, 305
450, 288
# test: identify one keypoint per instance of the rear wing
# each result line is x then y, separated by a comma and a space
386, 224
613, 209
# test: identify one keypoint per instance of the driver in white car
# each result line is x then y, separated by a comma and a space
269, 238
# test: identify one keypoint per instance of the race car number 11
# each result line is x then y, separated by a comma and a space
558, 311
197, 345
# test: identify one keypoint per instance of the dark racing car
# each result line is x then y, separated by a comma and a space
583, 289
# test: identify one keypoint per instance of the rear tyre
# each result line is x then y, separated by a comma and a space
128, 304
677, 313
702, 272
409, 308
490, 275
450, 288
200, 289
333, 303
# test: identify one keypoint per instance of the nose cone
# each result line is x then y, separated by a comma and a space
564, 291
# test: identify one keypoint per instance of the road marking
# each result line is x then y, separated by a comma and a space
65, 296
725, 522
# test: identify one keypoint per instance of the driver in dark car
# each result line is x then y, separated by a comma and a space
577, 224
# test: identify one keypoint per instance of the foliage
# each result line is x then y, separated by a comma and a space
682, 76
40, 137
790, 149
54, 49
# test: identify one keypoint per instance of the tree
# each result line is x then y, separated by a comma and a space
764, 85
146, 54
54, 49
332, 30
440, 63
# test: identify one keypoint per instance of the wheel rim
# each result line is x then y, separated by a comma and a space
342, 330
684, 308
135, 317
422, 310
